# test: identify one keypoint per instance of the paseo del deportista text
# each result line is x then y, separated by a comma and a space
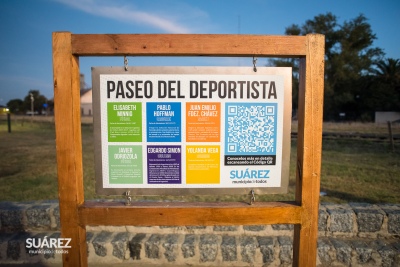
195, 89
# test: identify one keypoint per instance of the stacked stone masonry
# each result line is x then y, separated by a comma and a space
355, 234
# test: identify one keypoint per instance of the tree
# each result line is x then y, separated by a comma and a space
38, 101
15, 105
349, 56
382, 91
388, 72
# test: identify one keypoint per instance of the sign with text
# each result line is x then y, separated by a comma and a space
191, 130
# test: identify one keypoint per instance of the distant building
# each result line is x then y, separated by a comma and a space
3, 110
86, 102
86, 98
384, 117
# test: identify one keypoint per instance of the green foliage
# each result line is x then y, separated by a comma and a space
380, 90
388, 71
358, 81
38, 101
15, 105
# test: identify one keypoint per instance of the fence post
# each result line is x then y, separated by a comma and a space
9, 122
391, 135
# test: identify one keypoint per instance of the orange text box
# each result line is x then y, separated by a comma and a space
203, 122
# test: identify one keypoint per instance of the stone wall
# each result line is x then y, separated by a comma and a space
355, 234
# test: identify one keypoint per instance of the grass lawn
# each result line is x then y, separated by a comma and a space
353, 170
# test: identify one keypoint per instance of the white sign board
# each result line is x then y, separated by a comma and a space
186, 130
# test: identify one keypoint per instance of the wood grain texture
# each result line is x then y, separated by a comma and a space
187, 45
188, 214
309, 148
68, 147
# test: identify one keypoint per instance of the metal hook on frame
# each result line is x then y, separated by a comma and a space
255, 64
253, 197
126, 63
128, 198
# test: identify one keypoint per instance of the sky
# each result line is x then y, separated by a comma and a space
26, 30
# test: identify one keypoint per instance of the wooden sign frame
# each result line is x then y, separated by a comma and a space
75, 214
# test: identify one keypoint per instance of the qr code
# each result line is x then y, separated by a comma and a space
251, 128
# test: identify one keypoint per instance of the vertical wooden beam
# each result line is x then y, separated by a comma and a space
68, 147
309, 148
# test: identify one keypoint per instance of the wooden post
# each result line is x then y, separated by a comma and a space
309, 148
69, 147
75, 214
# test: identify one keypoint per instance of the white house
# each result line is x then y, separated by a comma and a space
86, 102
86, 98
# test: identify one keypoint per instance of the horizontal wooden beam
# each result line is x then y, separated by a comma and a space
180, 213
188, 45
